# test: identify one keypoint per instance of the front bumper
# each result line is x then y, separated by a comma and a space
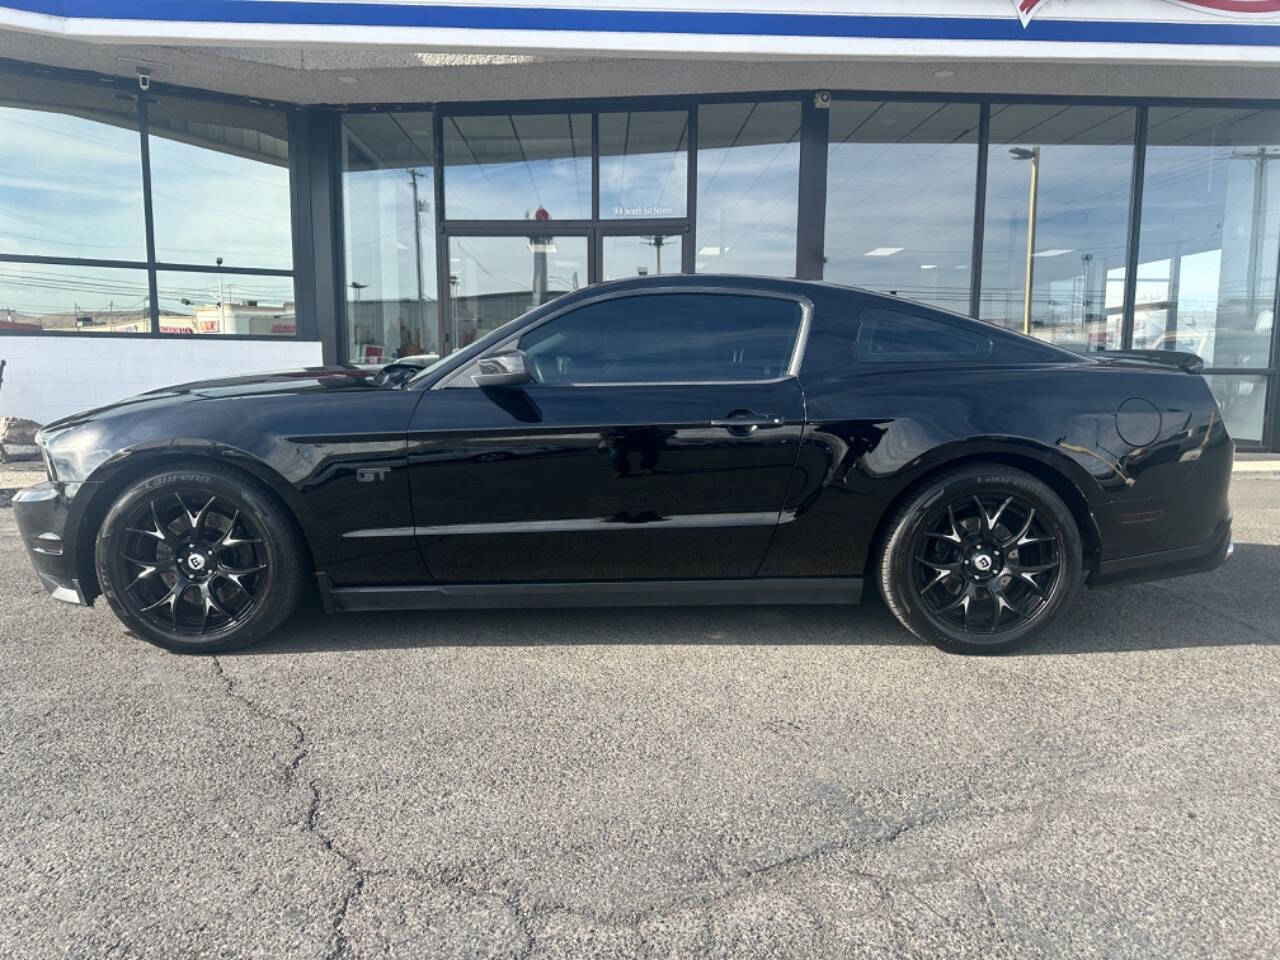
42, 513
1167, 563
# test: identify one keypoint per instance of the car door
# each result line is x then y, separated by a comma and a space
655, 440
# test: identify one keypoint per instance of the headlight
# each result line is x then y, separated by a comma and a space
72, 453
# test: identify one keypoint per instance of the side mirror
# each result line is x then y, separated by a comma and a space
509, 369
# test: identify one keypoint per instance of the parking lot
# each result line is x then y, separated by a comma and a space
743, 782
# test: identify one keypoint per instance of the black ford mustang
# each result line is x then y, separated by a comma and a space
669, 440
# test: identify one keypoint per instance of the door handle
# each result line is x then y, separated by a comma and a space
749, 422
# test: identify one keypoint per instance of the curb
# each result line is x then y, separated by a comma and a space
1256, 468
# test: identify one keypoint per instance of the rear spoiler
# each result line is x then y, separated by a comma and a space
1189, 362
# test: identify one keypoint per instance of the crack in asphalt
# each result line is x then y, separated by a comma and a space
739, 882
735, 882
290, 769
340, 946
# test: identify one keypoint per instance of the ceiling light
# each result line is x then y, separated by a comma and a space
943, 74
883, 251
710, 252
928, 266
145, 62
1056, 252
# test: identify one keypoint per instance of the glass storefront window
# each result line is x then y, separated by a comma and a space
71, 178
1061, 174
496, 279
641, 256
644, 164
225, 304
388, 189
1243, 400
900, 187
72, 299
219, 183
748, 187
518, 167
1208, 243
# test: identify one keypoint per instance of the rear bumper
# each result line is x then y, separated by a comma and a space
1167, 563
42, 512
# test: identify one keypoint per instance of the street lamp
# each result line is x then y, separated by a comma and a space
657, 241
1033, 201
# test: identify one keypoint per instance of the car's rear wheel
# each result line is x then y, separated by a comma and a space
980, 559
200, 559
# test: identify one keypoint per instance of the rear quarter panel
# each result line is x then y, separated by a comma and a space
876, 430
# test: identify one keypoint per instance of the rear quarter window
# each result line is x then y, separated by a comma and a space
891, 336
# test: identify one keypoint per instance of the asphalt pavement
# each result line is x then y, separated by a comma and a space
738, 783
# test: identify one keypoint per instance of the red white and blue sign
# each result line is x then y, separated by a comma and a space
1225, 8
1240, 31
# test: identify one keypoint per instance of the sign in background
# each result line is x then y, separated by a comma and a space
1170, 30
1223, 8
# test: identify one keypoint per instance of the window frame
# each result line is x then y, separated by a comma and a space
926, 358
452, 380
151, 264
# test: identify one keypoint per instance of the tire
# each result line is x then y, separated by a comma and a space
220, 532
992, 533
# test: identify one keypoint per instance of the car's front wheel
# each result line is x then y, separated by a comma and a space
980, 559
200, 559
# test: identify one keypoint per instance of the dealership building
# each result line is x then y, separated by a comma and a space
194, 189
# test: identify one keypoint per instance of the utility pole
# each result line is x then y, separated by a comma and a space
1258, 158
417, 231
222, 301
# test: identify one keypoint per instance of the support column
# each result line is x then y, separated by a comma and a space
316, 174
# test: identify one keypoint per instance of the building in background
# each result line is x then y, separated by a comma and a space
337, 182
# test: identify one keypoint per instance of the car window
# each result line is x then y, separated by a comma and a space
889, 336
656, 338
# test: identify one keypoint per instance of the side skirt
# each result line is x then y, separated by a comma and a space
592, 593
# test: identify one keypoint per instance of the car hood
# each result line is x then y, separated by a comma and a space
292, 382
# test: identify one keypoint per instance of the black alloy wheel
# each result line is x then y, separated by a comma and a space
200, 559
980, 559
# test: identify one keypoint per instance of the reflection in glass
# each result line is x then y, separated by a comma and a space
900, 187
71, 177
220, 183
1208, 246
388, 203
1243, 400
666, 338
36, 296
1064, 172
221, 304
644, 164
641, 256
496, 279
748, 188
518, 167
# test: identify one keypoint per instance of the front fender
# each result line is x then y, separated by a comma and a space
86, 502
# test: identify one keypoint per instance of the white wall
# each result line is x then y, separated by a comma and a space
48, 377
